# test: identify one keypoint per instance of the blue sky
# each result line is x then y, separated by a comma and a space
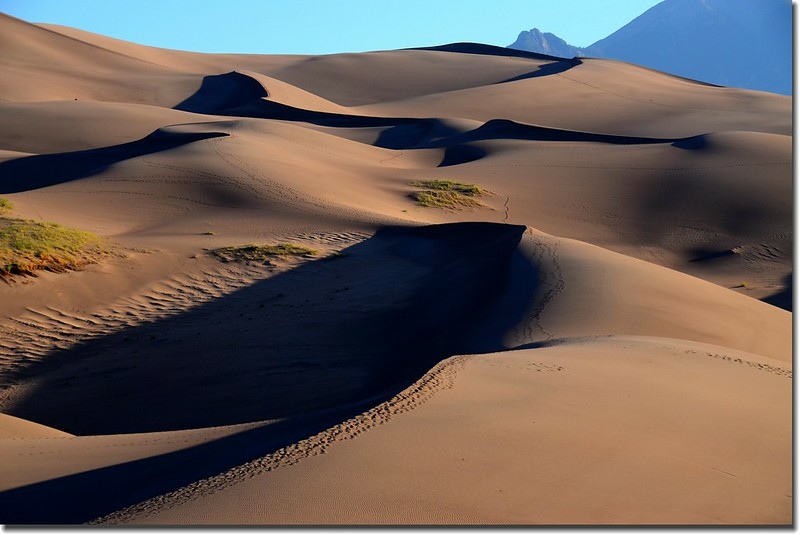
329, 26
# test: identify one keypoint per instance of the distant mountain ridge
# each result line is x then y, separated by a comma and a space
737, 43
546, 43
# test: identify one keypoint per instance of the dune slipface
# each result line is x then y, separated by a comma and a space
459, 285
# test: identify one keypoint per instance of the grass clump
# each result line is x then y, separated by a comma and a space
5, 205
262, 253
30, 246
448, 185
446, 194
443, 199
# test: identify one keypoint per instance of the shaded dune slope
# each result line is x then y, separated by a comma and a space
43, 170
424, 134
129, 477
489, 50
243, 95
35, 127
672, 434
580, 296
222, 93
460, 288
289, 355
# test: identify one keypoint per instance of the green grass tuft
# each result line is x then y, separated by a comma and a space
5, 205
262, 253
447, 194
448, 185
443, 199
30, 246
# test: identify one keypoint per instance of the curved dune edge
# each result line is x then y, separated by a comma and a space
35, 453
586, 290
439, 377
12, 427
535, 436
543, 287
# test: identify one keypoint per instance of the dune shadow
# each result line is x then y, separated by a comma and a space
487, 50
221, 92
268, 109
692, 143
700, 254
461, 154
236, 94
548, 69
507, 129
433, 133
324, 334
85, 496
33, 172
735, 210
314, 346
420, 133
239, 95
783, 298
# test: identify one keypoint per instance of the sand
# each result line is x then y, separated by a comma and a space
603, 338
618, 430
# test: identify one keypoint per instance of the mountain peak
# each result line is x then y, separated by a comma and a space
535, 40
699, 39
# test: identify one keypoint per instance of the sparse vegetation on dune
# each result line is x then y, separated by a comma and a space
446, 194
262, 253
443, 199
5, 205
449, 185
30, 246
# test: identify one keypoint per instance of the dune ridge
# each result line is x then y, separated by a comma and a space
190, 502
595, 342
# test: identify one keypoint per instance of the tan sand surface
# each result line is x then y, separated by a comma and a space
35, 453
13, 428
619, 430
619, 292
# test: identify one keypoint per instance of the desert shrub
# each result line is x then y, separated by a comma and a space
262, 253
448, 185
443, 199
28, 246
446, 194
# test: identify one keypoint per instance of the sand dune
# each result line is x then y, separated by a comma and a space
573, 433
18, 428
588, 336
645, 103
638, 298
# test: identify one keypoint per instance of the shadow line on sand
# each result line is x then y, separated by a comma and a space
783, 298
549, 69
348, 332
221, 92
85, 496
43, 170
430, 135
236, 94
488, 50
